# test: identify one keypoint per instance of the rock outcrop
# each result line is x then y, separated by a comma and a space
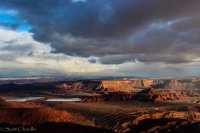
146, 95
190, 86
150, 122
155, 95
133, 85
32, 116
159, 122
114, 96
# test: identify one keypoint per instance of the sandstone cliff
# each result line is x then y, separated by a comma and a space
133, 85
189, 86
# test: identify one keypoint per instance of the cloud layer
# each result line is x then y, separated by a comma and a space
22, 56
93, 37
116, 31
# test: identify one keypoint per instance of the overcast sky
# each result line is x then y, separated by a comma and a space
143, 38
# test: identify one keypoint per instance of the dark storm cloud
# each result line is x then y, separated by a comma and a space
92, 60
116, 31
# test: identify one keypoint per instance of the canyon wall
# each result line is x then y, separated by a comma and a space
138, 84
190, 86
133, 85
